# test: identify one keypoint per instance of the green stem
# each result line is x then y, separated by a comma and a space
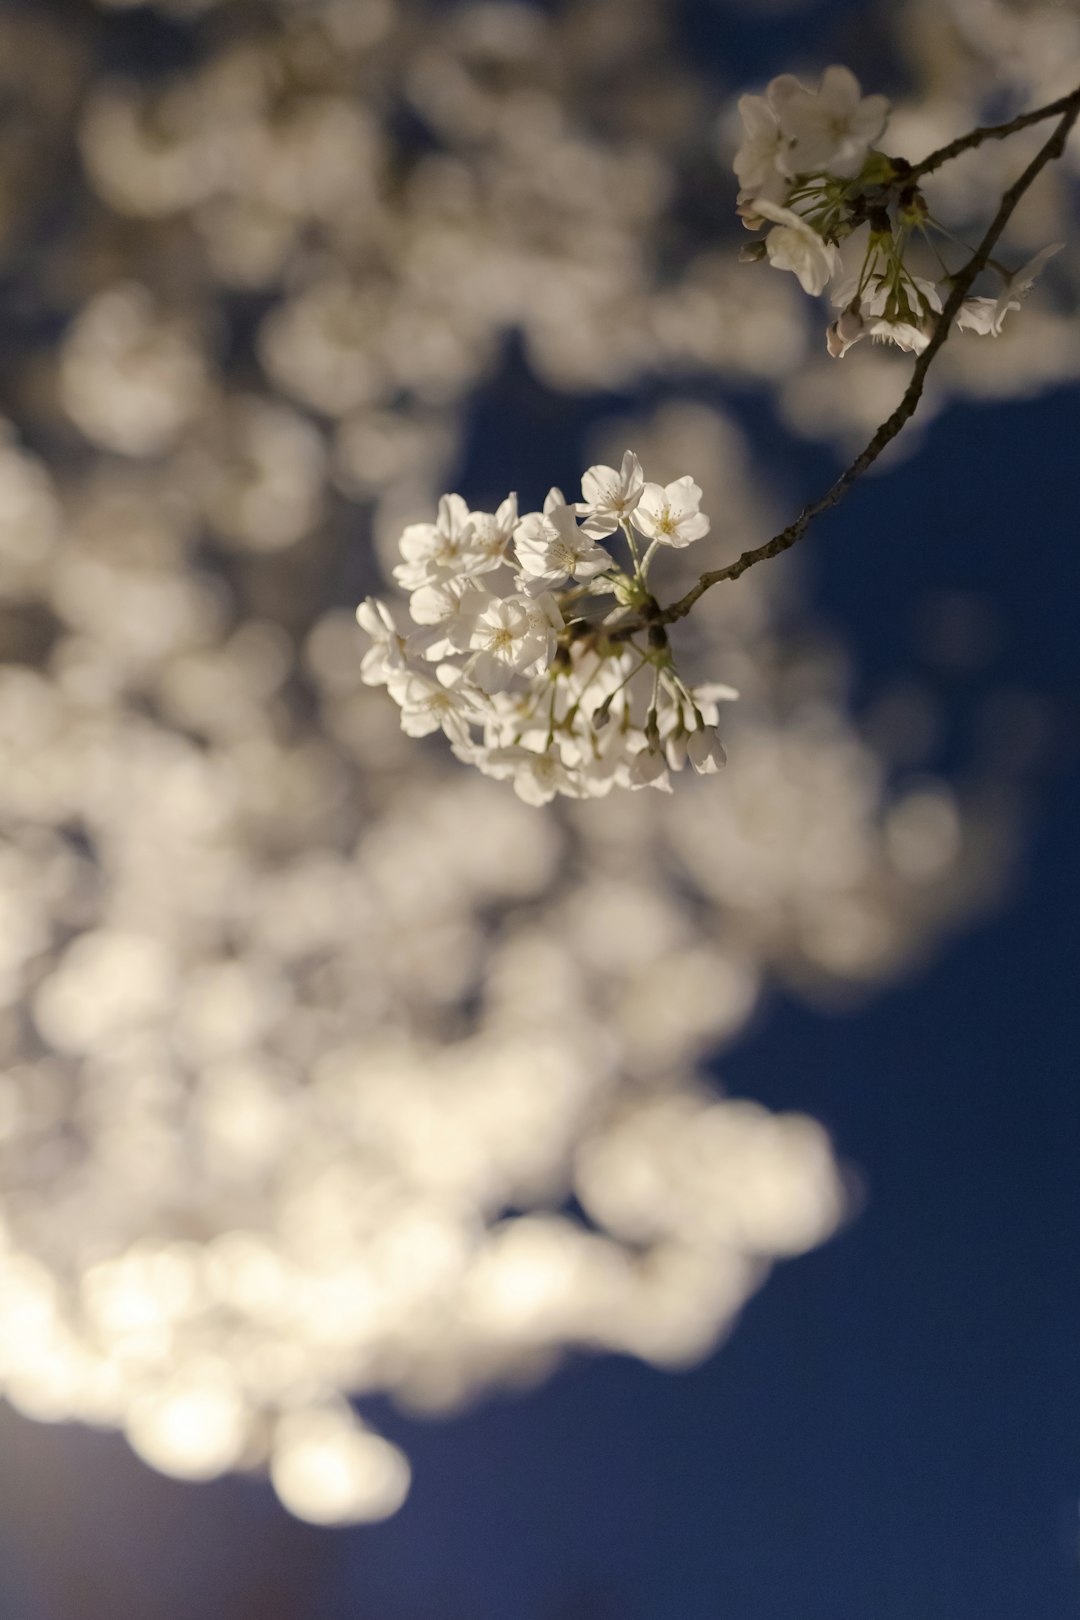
649, 554
624, 524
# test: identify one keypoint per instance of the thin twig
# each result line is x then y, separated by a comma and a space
989, 132
888, 430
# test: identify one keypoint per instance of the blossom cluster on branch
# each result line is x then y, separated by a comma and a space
564, 697
514, 653
808, 169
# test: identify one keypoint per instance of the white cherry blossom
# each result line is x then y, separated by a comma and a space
807, 167
986, 315
865, 316
610, 496
552, 547
528, 686
757, 162
670, 513
649, 768
708, 698
545, 622
705, 752
537, 776
831, 129
386, 656
793, 244
435, 552
446, 614
432, 703
492, 534
508, 636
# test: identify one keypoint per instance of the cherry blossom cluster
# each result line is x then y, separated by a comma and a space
809, 170
515, 650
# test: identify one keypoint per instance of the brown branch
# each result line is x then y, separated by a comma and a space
989, 132
888, 430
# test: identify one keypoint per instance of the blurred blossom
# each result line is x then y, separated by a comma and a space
329, 1469
323, 347
260, 473
330, 1069
130, 379
29, 518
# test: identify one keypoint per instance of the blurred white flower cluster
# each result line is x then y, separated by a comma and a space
396, 188
561, 706
808, 168
307, 1038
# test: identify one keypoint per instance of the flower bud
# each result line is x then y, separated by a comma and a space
602, 715
844, 331
706, 752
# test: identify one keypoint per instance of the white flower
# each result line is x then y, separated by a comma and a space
492, 532
794, 245
537, 777
865, 316
756, 162
709, 697
508, 716
429, 704
552, 548
508, 637
830, 129
705, 752
600, 761
577, 719
670, 513
610, 496
387, 656
649, 768
1022, 280
446, 614
986, 315
438, 551
904, 334
545, 622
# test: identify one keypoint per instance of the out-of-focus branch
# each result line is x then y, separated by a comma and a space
961, 284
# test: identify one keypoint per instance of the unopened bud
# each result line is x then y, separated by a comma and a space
845, 331
746, 212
